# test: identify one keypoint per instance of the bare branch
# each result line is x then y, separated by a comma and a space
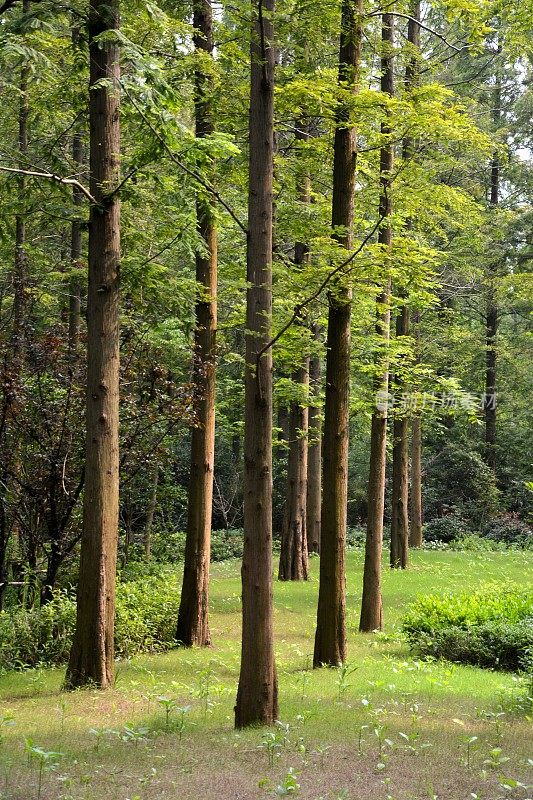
424, 27
50, 176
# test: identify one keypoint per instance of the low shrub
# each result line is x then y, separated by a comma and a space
355, 537
496, 644
445, 529
492, 627
510, 530
146, 616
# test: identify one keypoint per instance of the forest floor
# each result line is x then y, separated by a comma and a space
394, 728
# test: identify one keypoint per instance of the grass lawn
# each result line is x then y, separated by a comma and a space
394, 727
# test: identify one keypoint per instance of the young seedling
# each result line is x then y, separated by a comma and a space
135, 735
471, 747
321, 751
360, 738
100, 734
169, 705
181, 711
495, 759
45, 758
289, 785
5, 720
343, 673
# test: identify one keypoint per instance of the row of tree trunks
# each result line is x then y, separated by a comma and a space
193, 618
92, 654
371, 605
330, 637
257, 694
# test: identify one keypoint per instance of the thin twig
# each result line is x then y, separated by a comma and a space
299, 307
424, 27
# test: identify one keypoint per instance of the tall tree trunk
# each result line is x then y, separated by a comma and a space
9, 529
293, 562
193, 617
492, 314
92, 654
257, 695
314, 457
330, 637
371, 605
19, 302
399, 541
150, 513
416, 530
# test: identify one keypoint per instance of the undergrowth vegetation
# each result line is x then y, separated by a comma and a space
491, 627
385, 726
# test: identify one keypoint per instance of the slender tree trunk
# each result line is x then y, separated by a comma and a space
399, 553
19, 277
492, 314
293, 562
372, 606
399, 542
330, 637
75, 283
193, 618
92, 654
314, 457
491, 323
257, 695
416, 530
9, 528
150, 513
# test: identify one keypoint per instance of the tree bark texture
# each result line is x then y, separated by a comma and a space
372, 605
330, 637
293, 562
193, 617
92, 654
257, 694
416, 530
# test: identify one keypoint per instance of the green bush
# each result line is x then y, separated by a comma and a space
510, 530
496, 644
458, 481
445, 529
37, 636
492, 627
146, 616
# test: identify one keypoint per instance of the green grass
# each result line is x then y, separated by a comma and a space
334, 731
